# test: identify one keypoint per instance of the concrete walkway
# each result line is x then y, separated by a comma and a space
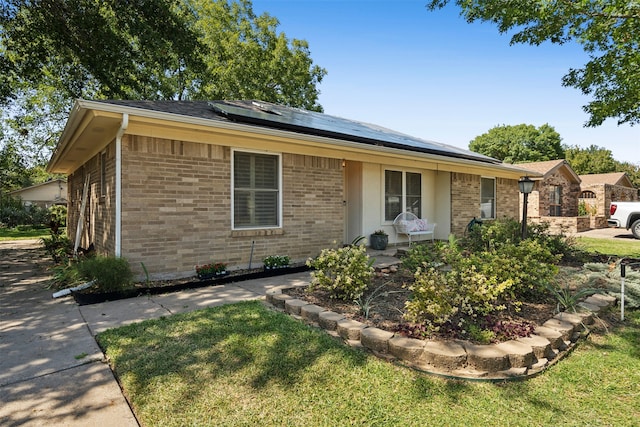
52, 372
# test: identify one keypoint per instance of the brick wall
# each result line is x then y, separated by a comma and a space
559, 225
465, 200
74, 194
177, 208
99, 224
507, 196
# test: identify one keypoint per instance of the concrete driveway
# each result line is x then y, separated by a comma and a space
607, 233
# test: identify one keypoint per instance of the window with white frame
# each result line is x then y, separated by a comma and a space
487, 198
402, 193
256, 190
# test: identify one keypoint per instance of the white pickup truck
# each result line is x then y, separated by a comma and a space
625, 215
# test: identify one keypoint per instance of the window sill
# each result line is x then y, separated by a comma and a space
257, 232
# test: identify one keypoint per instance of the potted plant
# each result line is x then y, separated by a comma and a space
209, 271
379, 240
275, 261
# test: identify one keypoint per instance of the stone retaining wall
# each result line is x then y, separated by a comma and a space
522, 357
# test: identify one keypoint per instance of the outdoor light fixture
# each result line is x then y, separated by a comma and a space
526, 187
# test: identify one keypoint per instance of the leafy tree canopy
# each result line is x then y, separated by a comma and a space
592, 159
53, 51
520, 143
608, 30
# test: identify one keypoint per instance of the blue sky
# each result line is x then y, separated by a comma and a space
434, 76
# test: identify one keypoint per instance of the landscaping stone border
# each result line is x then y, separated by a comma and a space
516, 359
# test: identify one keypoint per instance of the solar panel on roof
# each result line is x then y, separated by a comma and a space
313, 123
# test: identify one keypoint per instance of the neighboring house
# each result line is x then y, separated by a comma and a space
555, 196
599, 190
172, 184
47, 194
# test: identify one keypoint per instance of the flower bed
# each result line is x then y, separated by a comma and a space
90, 296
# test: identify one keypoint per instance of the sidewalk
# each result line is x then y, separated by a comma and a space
52, 372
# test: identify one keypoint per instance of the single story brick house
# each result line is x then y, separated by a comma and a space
173, 184
45, 194
556, 192
554, 198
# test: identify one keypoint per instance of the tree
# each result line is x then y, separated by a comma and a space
590, 160
53, 51
12, 170
519, 143
608, 30
248, 59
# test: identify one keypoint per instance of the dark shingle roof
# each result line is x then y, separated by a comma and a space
264, 114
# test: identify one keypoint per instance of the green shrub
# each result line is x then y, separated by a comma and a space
454, 299
492, 234
110, 273
422, 256
58, 246
558, 244
65, 275
478, 334
476, 284
529, 265
58, 215
14, 213
345, 272
495, 234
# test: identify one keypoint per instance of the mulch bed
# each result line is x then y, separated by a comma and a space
387, 308
94, 296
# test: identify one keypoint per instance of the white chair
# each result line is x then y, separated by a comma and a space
410, 225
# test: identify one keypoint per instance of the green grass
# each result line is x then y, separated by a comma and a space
22, 232
245, 365
621, 248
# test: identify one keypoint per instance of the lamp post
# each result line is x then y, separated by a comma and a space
526, 186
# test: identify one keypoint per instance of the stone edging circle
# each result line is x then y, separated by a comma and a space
516, 359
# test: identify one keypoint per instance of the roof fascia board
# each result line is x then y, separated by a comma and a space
79, 120
75, 117
42, 184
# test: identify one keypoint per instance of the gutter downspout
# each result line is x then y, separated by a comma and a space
123, 127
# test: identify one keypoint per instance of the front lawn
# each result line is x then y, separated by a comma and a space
244, 364
22, 233
617, 247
